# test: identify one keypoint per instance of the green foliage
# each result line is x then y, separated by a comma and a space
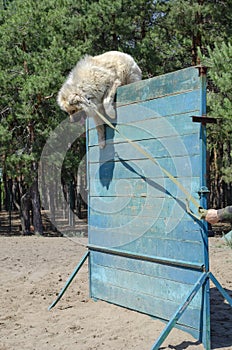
35, 52
221, 74
188, 25
41, 41
219, 60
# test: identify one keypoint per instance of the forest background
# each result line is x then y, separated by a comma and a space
40, 42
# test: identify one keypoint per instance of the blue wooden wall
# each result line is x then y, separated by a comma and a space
147, 252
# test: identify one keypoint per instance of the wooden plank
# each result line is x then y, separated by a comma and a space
152, 226
163, 248
159, 288
141, 187
163, 107
168, 248
172, 83
169, 145
153, 112
152, 129
133, 241
175, 105
161, 228
145, 168
127, 208
104, 211
159, 308
149, 129
173, 273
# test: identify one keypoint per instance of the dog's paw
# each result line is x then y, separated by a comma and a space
110, 110
102, 144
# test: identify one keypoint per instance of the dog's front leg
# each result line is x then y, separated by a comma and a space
100, 126
108, 101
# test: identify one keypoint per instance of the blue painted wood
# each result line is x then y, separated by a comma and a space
203, 200
164, 248
166, 147
160, 229
135, 209
154, 285
146, 252
141, 187
146, 303
168, 84
168, 272
140, 168
171, 105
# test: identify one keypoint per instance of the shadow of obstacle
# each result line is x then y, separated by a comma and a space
107, 161
184, 345
221, 320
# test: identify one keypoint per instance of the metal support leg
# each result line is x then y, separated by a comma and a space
180, 311
220, 288
205, 337
77, 268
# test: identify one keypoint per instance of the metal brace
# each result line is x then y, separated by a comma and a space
204, 119
203, 190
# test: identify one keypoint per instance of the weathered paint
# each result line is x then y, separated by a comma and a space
135, 210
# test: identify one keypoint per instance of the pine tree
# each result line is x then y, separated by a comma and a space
188, 26
35, 51
220, 135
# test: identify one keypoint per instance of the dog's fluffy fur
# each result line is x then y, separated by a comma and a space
92, 85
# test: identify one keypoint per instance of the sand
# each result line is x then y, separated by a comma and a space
34, 269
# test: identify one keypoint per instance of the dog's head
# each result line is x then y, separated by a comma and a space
68, 101
74, 103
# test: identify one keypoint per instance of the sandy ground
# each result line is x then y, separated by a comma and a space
32, 271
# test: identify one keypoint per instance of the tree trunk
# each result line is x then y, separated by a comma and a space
35, 200
197, 37
25, 213
7, 189
16, 195
51, 202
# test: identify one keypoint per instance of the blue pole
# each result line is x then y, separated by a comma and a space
77, 268
220, 288
205, 329
180, 311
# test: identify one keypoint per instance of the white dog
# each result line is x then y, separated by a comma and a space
91, 86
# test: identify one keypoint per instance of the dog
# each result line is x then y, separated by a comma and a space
91, 86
